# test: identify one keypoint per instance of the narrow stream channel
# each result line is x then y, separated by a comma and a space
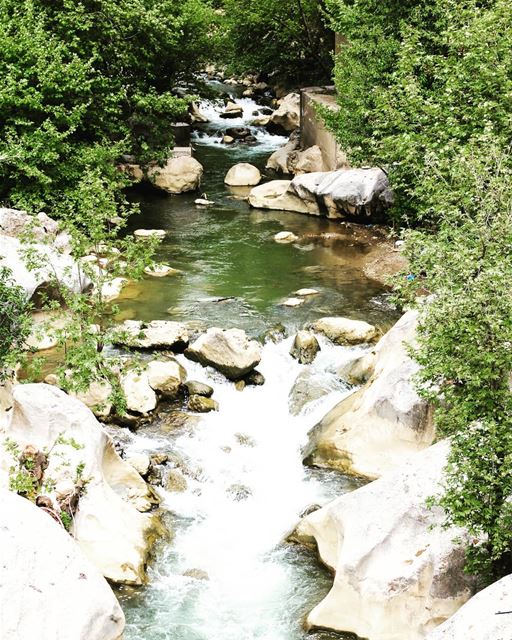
226, 573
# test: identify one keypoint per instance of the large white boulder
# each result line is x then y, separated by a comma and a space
276, 195
379, 426
287, 115
485, 617
179, 175
166, 377
139, 395
108, 526
228, 350
48, 589
53, 265
243, 174
344, 330
346, 191
279, 160
158, 334
399, 573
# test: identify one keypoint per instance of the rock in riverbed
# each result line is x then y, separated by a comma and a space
158, 334
243, 174
345, 330
379, 426
229, 351
179, 175
398, 571
49, 590
305, 347
107, 525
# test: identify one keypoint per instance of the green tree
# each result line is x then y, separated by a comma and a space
14, 322
287, 39
465, 346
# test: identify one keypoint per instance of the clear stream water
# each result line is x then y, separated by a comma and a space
246, 485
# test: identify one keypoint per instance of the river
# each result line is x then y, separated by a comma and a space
226, 574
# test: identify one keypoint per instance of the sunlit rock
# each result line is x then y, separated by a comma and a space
275, 195
180, 174
381, 425
305, 347
345, 330
398, 571
243, 174
49, 589
229, 351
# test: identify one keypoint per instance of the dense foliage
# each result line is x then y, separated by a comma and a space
418, 83
83, 82
465, 348
288, 40
14, 321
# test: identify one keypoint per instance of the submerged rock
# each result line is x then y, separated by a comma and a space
285, 237
229, 351
345, 330
379, 426
142, 234
398, 571
179, 175
243, 174
305, 347
197, 574
49, 590
161, 271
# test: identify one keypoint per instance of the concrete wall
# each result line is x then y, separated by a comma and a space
312, 129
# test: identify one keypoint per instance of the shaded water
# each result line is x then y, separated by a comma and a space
246, 485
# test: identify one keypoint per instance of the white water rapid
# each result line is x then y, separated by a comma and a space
249, 489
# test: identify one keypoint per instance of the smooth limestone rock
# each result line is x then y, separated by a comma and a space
287, 115
160, 271
166, 377
292, 302
276, 195
158, 334
485, 617
306, 292
286, 237
398, 571
381, 425
49, 590
307, 161
41, 281
305, 347
140, 462
360, 369
243, 174
142, 234
308, 386
345, 330
179, 175
229, 351
140, 397
111, 289
232, 110
107, 526
97, 397
346, 191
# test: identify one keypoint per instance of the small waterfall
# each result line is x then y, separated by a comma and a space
248, 493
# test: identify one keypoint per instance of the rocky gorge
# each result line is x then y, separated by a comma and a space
247, 379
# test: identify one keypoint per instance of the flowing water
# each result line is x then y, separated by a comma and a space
226, 574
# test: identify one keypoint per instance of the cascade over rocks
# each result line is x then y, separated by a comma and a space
49, 590
485, 617
243, 174
107, 526
398, 571
381, 425
228, 350
179, 175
